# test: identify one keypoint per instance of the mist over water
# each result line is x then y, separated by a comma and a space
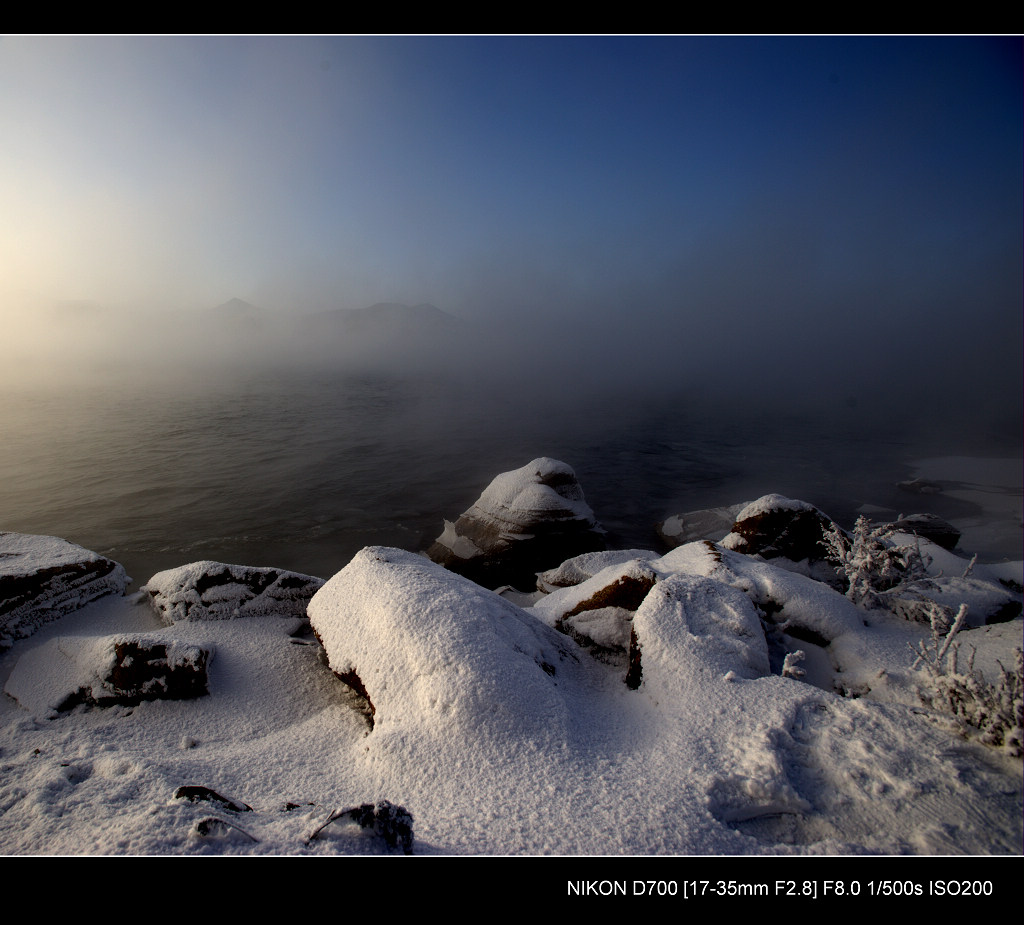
299, 468
695, 269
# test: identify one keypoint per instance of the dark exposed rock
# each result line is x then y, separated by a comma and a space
929, 527
635, 672
197, 793
146, 669
44, 577
107, 670
215, 591
356, 683
626, 592
525, 521
775, 526
212, 827
598, 613
390, 822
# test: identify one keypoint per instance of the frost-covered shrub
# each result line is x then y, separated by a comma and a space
995, 710
870, 562
791, 665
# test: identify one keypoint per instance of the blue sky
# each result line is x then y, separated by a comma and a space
828, 188
379, 168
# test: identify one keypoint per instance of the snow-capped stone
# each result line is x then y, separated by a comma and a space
578, 569
598, 612
107, 670
690, 628
44, 577
987, 601
808, 609
713, 523
929, 527
525, 521
434, 651
776, 526
215, 591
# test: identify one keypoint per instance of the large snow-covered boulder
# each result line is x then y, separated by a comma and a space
432, 650
107, 670
775, 526
215, 591
525, 521
987, 601
690, 629
809, 609
44, 577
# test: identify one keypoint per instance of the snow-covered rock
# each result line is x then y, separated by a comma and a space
578, 569
710, 524
807, 608
215, 591
929, 527
775, 526
598, 612
987, 601
525, 521
44, 577
689, 629
107, 670
434, 652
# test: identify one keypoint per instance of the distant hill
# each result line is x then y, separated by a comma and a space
387, 315
239, 311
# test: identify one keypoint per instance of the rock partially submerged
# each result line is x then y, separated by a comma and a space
44, 577
107, 670
774, 526
215, 591
929, 527
525, 521
713, 524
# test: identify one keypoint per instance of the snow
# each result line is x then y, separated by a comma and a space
696, 629
579, 568
438, 655
773, 502
500, 735
517, 497
991, 490
63, 577
462, 546
45, 678
216, 591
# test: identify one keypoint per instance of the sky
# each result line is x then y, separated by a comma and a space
707, 195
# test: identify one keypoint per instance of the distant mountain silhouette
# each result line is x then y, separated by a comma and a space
240, 311
387, 315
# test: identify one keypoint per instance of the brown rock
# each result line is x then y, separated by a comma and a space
525, 521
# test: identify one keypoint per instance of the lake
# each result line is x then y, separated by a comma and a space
300, 469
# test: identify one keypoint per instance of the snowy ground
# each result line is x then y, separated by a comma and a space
501, 736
